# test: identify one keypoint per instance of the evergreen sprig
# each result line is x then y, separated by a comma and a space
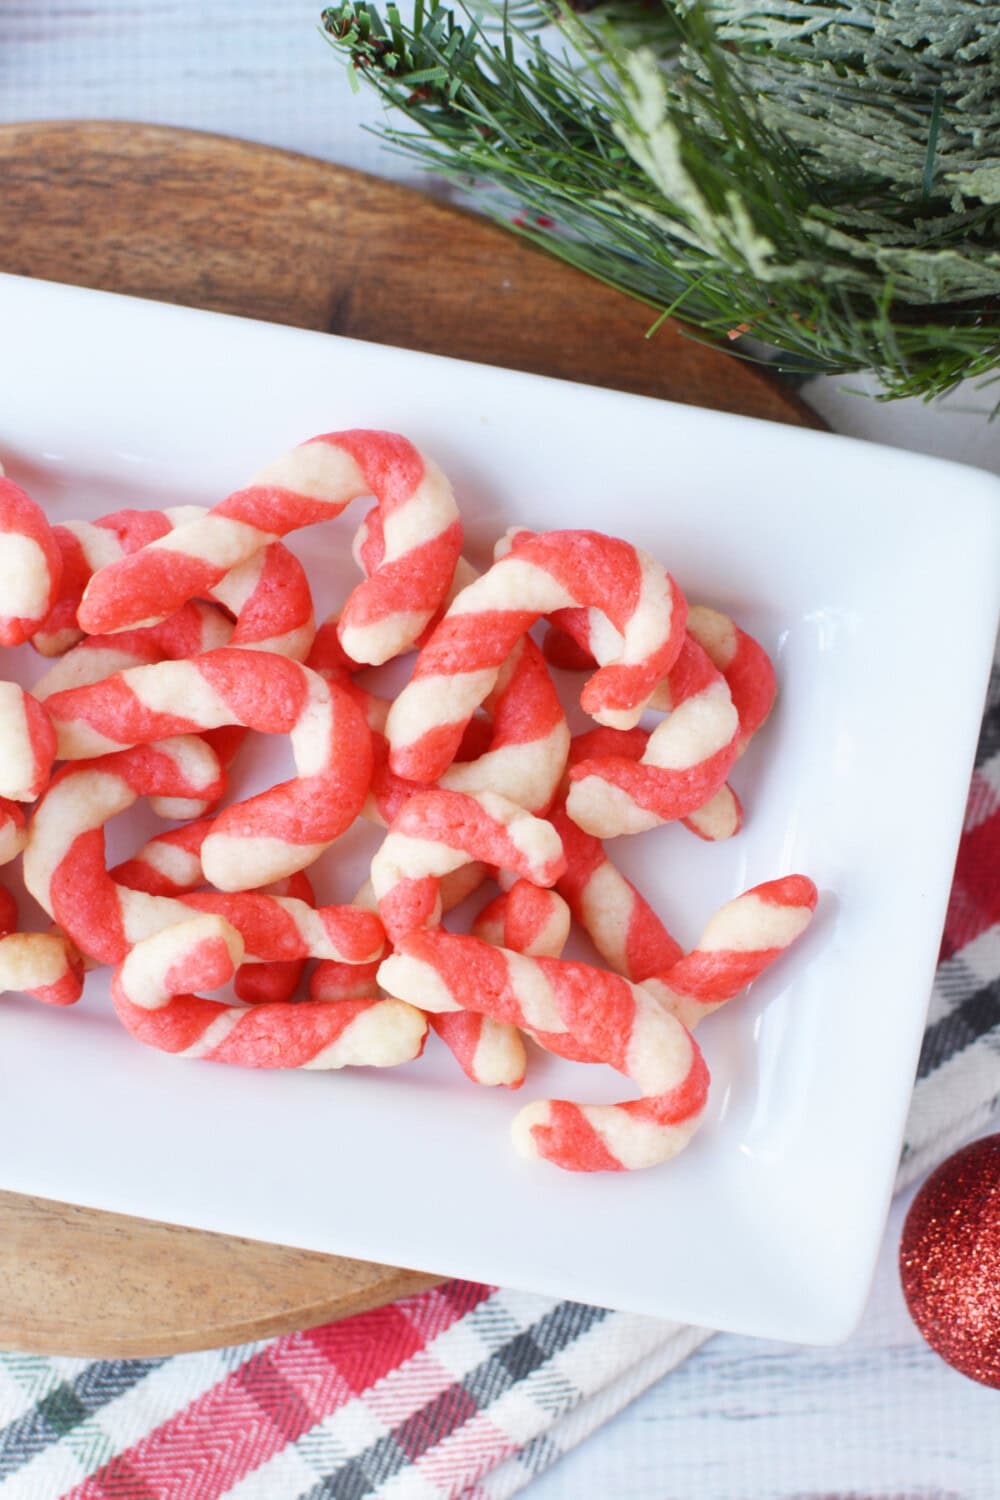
823, 175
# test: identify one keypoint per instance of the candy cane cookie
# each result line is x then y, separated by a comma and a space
527, 919
740, 941
517, 750
620, 923
743, 662
436, 832
279, 831
65, 870
719, 818
268, 598
419, 537
331, 980
581, 1013
269, 595
43, 965
196, 628
30, 564
170, 865
13, 830
459, 665
27, 744
685, 762
64, 864
167, 865
151, 988
86, 546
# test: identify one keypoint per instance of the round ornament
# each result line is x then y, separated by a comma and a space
949, 1261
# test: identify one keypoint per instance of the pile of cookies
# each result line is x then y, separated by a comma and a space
177, 633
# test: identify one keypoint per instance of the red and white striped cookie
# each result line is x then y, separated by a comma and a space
43, 965
86, 546
30, 564
196, 628
458, 667
525, 755
620, 923
518, 749
64, 863
435, 838
719, 818
685, 762
64, 869
437, 832
279, 831
27, 744
741, 940
283, 929
151, 992
416, 531
580, 1013
743, 663
271, 601
746, 666
13, 830
526, 919
170, 865
331, 980
269, 595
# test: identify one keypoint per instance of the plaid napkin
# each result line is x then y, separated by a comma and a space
465, 1392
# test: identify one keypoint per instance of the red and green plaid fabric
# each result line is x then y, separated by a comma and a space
465, 1391
462, 1391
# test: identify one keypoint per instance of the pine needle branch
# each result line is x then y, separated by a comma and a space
804, 171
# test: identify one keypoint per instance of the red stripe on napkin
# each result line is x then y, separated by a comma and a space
274, 1398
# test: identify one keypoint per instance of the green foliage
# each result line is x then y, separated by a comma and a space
821, 174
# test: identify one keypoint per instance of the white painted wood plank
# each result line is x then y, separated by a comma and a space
243, 67
880, 1418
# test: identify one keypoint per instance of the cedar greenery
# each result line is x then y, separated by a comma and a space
823, 175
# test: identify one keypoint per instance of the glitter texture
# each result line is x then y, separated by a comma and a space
949, 1261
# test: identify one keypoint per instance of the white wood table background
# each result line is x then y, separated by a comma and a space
878, 1419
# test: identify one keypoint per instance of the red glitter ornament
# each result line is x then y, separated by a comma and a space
949, 1261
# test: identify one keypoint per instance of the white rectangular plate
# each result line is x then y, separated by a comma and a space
871, 575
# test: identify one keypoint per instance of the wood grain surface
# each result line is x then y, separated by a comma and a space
222, 224
239, 228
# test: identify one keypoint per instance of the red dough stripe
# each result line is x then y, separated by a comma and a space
85, 903
303, 487
539, 574
21, 517
568, 1135
412, 582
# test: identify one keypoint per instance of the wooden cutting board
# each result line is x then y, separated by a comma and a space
239, 228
